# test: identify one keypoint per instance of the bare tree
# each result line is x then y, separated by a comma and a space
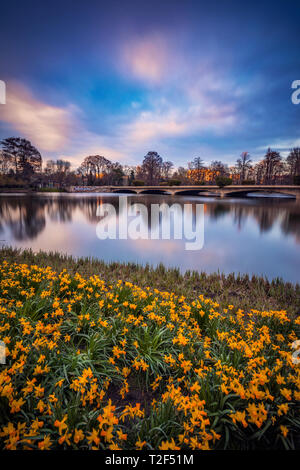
293, 162
243, 164
50, 167
63, 166
94, 166
196, 164
5, 161
218, 169
271, 160
166, 169
181, 174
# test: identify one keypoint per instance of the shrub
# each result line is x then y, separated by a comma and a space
222, 181
248, 182
297, 180
11, 182
138, 183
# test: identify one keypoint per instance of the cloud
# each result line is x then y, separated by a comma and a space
48, 127
181, 121
53, 129
88, 143
281, 145
193, 97
162, 124
146, 58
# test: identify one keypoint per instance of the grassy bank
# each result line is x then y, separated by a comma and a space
242, 290
95, 365
50, 190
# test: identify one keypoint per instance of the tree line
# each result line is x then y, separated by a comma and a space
21, 164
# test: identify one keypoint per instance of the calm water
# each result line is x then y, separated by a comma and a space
246, 235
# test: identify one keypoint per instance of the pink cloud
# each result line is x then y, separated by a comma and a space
146, 58
47, 126
181, 121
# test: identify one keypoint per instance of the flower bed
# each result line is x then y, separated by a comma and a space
97, 366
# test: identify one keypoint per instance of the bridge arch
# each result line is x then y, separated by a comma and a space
196, 192
154, 191
262, 192
187, 192
124, 191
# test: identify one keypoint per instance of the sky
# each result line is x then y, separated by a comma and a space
121, 78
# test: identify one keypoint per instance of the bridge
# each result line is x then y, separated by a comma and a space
227, 191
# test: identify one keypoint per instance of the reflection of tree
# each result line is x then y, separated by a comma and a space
266, 213
291, 225
26, 216
266, 220
240, 216
217, 210
60, 209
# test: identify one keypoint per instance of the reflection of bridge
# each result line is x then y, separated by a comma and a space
231, 191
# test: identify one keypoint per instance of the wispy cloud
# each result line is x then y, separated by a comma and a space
283, 145
49, 127
181, 121
64, 131
89, 143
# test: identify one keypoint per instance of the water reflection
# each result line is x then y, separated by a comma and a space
65, 221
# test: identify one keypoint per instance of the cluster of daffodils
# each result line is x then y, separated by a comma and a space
95, 366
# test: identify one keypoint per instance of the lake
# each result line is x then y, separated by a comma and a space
243, 235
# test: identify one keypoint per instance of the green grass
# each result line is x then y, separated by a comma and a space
242, 290
50, 190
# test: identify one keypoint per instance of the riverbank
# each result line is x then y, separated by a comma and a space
242, 290
109, 365
29, 191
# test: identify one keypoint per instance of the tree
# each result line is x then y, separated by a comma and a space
258, 171
166, 169
196, 171
218, 168
181, 174
196, 164
63, 166
4, 163
115, 174
271, 160
243, 164
129, 171
94, 167
50, 167
293, 162
151, 167
82, 171
25, 158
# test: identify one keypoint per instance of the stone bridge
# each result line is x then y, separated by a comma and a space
229, 191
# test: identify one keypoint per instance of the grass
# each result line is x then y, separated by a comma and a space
248, 292
110, 365
50, 190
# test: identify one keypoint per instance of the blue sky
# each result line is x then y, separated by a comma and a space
186, 79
